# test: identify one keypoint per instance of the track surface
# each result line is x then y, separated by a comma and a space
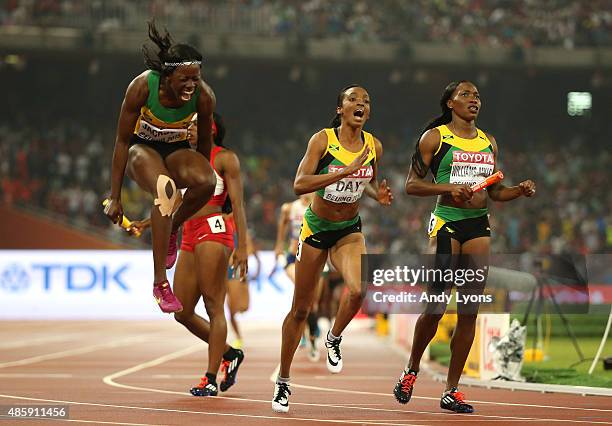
139, 373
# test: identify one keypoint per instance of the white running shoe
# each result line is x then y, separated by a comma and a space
334, 358
280, 401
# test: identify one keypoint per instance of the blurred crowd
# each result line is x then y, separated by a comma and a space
494, 23
53, 170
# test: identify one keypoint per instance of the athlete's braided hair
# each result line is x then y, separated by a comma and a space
169, 55
446, 117
337, 120
220, 125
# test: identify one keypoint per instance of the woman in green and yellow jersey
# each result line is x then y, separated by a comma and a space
459, 155
152, 141
339, 165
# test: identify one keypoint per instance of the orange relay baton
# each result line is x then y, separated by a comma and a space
494, 178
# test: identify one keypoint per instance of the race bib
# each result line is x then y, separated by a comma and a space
471, 168
432, 223
149, 132
298, 253
216, 224
350, 188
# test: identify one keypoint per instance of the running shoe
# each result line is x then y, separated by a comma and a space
334, 358
164, 297
405, 385
204, 388
172, 249
454, 400
230, 369
280, 401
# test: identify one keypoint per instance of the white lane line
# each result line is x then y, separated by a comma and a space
15, 344
510, 404
35, 376
350, 378
76, 351
98, 422
280, 417
109, 380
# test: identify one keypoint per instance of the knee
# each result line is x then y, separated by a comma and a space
431, 319
356, 293
183, 317
300, 314
137, 159
204, 182
467, 321
214, 307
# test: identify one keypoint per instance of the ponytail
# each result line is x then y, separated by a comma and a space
446, 117
169, 55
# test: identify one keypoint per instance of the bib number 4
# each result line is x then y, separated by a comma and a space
217, 224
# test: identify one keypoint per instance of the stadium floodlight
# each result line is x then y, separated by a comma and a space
579, 103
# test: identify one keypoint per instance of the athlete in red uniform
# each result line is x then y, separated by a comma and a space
203, 261
202, 266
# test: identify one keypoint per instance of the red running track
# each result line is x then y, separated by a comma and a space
139, 373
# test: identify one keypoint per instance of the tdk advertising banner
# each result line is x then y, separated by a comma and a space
114, 284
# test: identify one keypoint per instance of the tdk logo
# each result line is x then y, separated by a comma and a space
77, 277
14, 278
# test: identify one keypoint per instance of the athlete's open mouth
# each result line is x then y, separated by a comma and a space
473, 108
359, 113
186, 94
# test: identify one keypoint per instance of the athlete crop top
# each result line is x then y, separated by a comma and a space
336, 157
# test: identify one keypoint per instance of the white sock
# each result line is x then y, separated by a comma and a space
331, 337
280, 379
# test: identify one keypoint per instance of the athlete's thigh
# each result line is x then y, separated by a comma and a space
185, 281
144, 166
308, 268
432, 246
346, 258
211, 261
188, 167
442, 252
474, 257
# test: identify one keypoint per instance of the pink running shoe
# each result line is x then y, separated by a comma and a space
172, 250
166, 300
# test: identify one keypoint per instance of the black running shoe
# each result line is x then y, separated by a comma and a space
230, 370
280, 400
454, 400
204, 388
404, 386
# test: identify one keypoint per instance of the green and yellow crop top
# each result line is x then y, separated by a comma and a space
161, 124
336, 157
462, 161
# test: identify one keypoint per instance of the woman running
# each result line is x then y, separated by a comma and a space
458, 155
203, 261
152, 142
339, 165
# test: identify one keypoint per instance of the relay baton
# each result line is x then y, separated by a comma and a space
125, 222
494, 178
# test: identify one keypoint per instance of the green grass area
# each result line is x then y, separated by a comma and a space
555, 368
